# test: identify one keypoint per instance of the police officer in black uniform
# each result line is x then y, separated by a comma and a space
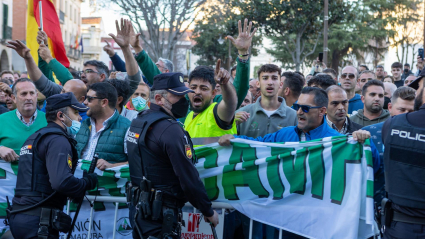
404, 159
45, 175
161, 161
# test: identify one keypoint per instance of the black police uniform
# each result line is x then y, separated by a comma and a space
161, 161
404, 160
47, 162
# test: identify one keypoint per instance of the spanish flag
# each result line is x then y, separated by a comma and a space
50, 26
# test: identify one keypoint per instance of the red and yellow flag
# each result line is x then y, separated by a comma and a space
50, 25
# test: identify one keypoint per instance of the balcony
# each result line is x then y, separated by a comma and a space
73, 53
61, 17
92, 49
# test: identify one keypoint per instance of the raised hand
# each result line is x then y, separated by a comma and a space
135, 40
5, 88
41, 37
221, 76
244, 40
45, 53
20, 48
109, 49
123, 33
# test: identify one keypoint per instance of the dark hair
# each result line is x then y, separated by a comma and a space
367, 71
105, 91
123, 89
100, 67
75, 74
365, 66
51, 115
332, 71
6, 72
407, 64
204, 73
322, 80
370, 83
320, 96
232, 69
379, 66
388, 76
404, 93
396, 65
299, 73
294, 81
268, 68
19, 81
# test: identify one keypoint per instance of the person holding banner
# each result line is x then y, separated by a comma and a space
45, 179
311, 109
162, 173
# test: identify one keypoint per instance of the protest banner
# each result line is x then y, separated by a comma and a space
318, 189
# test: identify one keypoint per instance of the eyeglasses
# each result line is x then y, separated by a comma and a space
350, 76
90, 98
305, 108
87, 71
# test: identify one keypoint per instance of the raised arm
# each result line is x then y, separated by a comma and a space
24, 52
118, 63
226, 108
242, 43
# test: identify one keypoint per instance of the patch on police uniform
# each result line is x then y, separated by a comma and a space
30, 146
188, 151
70, 161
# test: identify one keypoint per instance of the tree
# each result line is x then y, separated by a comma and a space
295, 25
165, 22
219, 21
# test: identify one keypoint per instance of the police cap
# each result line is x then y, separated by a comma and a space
58, 101
172, 82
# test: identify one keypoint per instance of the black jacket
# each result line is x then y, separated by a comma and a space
352, 126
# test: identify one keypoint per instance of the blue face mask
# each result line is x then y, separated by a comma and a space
139, 103
75, 127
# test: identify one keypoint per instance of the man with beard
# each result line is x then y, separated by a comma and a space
336, 115
379, 72
404, 139
209, 120
103, 133
270, 113
348, 82
373, 99
402, 102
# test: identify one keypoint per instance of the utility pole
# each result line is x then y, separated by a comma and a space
325, 35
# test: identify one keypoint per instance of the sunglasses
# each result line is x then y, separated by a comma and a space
350, 76
90, 98
305, 108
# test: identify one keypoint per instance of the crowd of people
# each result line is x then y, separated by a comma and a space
274, 106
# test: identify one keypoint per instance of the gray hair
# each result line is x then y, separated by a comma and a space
14, 90
168, 64
152, 94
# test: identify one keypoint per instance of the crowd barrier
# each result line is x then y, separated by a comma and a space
215, 205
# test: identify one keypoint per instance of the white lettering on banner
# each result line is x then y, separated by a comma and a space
406, 135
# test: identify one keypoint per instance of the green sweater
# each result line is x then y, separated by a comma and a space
14, 135
54, 66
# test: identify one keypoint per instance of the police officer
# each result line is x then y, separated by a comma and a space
161, 161
47, 162
404, 159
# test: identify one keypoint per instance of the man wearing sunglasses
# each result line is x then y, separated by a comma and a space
348, 81
311, 109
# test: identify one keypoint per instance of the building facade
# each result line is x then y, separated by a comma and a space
92, 31
6, 23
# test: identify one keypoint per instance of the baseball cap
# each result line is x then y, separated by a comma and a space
172, 82
58, 101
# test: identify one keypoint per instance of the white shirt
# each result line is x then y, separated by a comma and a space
269, 112
88, 151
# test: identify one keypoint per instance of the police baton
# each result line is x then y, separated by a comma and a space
212, 227
80, 200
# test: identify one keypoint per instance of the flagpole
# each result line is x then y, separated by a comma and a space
40, 8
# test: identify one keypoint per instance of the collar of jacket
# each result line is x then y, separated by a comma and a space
112, 120
281, 111
317, 133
